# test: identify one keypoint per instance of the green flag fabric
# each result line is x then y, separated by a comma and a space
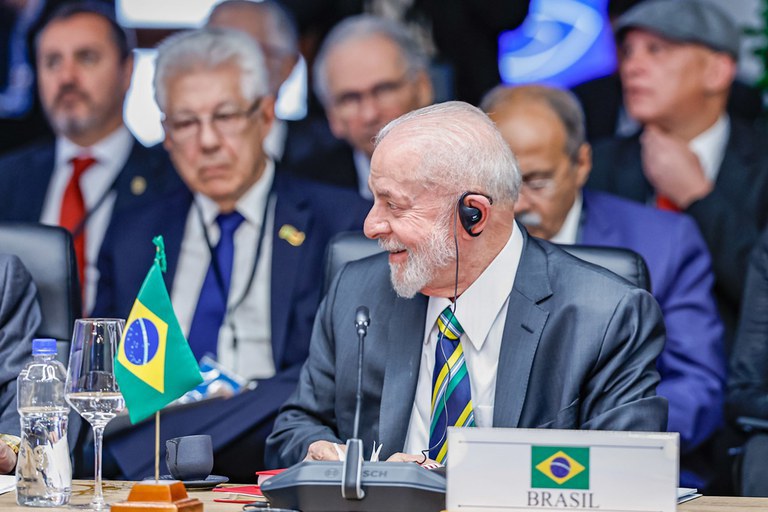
154, 363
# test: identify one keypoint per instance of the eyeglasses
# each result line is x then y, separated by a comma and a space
384, 94
538, 186
227, 122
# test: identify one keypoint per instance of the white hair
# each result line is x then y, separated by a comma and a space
364, 26
209, 49
460, 149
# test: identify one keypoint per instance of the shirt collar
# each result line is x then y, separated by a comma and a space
569, 231
251, 205
709, 146
363, 170
115, 147
479, 306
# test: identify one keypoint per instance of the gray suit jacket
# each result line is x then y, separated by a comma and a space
19, 319
578, 352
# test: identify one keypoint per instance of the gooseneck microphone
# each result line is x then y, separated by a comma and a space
313, 486
352, 471
362, 321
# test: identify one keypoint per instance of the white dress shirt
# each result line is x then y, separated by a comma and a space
252, 357
481, 310
363, 170
569, 231
111, 154
709, 147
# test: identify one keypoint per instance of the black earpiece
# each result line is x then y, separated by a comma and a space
469, 215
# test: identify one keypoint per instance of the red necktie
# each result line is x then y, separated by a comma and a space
665, 203
73, 212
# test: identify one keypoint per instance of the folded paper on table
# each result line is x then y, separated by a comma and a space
7, 483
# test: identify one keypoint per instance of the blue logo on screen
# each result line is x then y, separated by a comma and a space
561, 42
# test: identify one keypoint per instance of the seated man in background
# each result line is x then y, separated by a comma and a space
368, 72
545, 129
541, 339
748, 379
290, 141
19, 319
95, 167
244, 244
677, 62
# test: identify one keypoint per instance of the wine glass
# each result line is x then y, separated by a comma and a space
91, 388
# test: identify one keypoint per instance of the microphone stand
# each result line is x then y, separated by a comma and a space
352, 471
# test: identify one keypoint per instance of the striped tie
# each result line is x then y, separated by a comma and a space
451, 392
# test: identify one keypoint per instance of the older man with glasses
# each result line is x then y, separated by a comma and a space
368, 72
244, 244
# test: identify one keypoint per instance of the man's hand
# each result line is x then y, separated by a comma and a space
7, 459
324, 450
672, 168
409, 457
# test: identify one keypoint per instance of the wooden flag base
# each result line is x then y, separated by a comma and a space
153, 496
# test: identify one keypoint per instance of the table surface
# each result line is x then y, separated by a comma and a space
82, 490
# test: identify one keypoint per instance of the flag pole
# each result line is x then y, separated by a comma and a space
157, 446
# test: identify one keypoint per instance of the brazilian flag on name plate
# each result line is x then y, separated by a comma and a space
155, 365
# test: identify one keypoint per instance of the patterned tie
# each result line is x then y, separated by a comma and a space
73, 212
212, 303
451, 392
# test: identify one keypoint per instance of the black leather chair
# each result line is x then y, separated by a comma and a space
49, 255
353, 245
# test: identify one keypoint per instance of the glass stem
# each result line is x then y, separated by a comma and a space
98, 497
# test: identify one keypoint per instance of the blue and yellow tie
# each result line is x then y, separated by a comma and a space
451, 392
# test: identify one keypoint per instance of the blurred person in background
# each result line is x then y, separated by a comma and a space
677, 65
368, 72
545, 129
290, 140
95, 167
19, 319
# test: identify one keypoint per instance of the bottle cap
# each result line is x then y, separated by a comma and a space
44, 347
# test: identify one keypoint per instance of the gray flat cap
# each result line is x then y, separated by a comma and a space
685, 21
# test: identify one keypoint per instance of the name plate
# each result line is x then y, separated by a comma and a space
495, 469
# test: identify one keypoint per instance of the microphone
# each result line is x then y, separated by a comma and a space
351, 486
314, 486
362, 320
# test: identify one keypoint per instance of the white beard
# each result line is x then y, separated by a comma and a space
423, 261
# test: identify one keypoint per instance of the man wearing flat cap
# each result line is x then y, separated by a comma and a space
677, 65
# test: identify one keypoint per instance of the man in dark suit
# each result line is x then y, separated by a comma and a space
677, 65
748, 378
368, 72
19, 319
517, 344
291, 140
244, 244
545, 129
95, 167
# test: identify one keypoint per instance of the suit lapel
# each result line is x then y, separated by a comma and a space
174, 217
290, 210
736, 173
522, 331
404, 346
39, 171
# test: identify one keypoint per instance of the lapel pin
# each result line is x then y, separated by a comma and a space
291, 235
138, 185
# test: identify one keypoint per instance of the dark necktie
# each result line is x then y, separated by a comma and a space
212, 303
73, 212
451, 390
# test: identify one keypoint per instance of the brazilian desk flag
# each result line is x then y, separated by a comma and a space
154, 362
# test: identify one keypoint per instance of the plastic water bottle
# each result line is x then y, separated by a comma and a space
43, 468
